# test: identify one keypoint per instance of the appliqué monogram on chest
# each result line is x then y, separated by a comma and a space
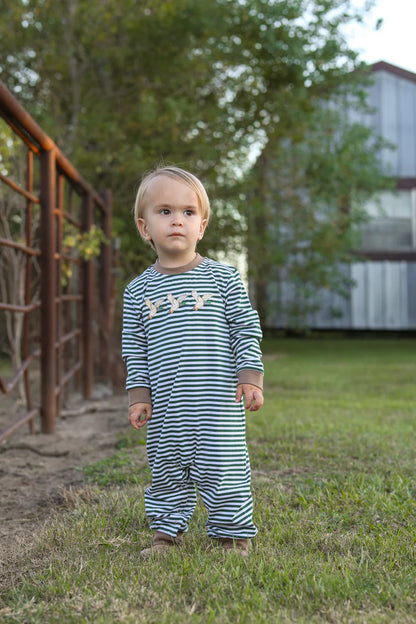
174, 303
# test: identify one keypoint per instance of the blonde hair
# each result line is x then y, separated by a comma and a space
182, 176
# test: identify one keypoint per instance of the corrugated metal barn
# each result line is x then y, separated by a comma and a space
383, 294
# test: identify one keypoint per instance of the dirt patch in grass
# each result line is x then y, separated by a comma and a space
36, 470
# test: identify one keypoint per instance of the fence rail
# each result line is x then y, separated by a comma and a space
63, 312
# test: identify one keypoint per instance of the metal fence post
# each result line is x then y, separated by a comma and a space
106, 299
28, 285
48, 289
88, 304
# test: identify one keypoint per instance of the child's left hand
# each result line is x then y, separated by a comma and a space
252, 394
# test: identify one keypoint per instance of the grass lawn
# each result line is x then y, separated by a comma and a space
333, 455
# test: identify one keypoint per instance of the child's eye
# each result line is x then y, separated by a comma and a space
189, 213
165, 211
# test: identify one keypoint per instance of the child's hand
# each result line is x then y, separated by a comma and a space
139, 414
253, 396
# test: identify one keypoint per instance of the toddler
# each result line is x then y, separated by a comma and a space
191, 347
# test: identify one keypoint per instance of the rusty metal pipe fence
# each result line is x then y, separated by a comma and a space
68, 302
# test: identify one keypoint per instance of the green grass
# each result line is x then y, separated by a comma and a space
333, 454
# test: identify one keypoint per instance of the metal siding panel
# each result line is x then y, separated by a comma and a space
388, 117
413, 214
392, 292
411, 294
319, 318
374, 99
273, 304
393, 102
287, 295
342, 306
280, 316
325, 317
375, 294
342, 303
404, 295
406, 124
383, 297
329, 301
358, 296
394, 296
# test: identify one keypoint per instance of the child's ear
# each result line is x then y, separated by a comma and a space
142, 227
202, 228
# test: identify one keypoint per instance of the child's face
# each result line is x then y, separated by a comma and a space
172, 219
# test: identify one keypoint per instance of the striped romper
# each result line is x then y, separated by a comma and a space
187, 338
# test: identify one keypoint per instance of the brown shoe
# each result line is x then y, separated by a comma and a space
162, 542
239, 545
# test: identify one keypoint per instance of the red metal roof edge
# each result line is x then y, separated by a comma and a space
404, 184
384, 254
393, 69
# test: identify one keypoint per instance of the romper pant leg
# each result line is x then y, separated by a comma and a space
224, 485
171, 499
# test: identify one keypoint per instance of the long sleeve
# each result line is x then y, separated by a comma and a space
245, 332
134, 348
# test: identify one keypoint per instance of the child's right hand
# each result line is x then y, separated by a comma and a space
253, 396
139, 414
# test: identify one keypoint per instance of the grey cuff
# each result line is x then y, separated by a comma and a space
250, 376
139, 395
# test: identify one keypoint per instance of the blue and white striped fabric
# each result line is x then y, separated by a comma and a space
186, 337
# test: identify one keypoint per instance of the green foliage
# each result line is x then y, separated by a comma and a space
84, 245
206, 85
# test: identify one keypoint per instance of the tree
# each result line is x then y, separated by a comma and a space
205, 85
305, 207
122, 86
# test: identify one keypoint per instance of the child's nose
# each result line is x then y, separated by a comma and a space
177, 218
